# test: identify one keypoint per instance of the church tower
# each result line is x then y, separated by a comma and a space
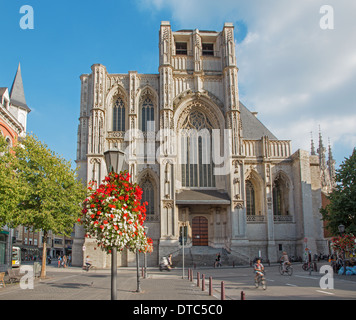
211, 172
327, 167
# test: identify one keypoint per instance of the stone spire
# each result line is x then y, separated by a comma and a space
17, 93
324, 172
321, 151
331, 166
312, 145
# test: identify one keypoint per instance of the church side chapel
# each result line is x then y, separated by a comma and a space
213, 175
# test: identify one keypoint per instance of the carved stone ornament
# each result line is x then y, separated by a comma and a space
238, 204
167, 204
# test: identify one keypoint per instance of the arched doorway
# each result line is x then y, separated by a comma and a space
200, 231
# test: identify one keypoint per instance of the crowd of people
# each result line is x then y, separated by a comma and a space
64, 261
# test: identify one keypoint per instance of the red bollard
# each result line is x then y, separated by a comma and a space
191, 275
198, 279
242, 295
210, 286
222, 290
203, 283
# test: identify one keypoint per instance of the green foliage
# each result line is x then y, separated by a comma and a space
50, 195
342, 206
11, 189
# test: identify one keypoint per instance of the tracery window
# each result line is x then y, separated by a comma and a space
250, 199
197, 166
148, 195
280, 197
147, 114
119, 115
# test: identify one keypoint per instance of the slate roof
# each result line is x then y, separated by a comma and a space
252, 128
17, 93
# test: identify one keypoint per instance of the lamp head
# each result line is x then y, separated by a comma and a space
114, 160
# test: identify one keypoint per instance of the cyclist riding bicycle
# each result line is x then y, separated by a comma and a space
88, 263
285, 260
259, 269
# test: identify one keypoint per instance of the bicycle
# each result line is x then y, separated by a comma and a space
88, 267
260, 280
310, 266
288, 269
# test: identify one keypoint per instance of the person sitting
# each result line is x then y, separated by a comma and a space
165, 262
170, 263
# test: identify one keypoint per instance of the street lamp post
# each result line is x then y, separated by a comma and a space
145, 261
138, 271
114, 161
183, 235
341, 228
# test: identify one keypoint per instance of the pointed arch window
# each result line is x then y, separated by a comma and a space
250, 199
197, 165
147, 114
280, 197
119, 115
149, 196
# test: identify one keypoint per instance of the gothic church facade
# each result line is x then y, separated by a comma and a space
231, 185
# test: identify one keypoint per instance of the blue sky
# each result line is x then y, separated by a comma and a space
295, 75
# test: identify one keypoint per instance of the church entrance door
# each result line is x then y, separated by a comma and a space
200, 231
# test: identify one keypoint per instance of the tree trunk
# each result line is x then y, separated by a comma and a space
44, 255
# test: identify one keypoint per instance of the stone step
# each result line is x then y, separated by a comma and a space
200, 256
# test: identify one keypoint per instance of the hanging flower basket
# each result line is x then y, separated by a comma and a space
344, 243
113, 214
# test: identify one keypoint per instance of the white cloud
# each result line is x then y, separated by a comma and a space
296, 75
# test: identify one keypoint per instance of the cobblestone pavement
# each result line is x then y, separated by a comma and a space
76, 284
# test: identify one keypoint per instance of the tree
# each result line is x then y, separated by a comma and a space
11, 189
342, 206
53, 195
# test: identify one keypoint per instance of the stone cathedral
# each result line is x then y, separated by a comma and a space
211, 172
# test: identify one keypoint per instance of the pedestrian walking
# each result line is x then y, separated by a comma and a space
218, 260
